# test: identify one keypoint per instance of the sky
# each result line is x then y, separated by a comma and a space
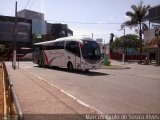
84, 17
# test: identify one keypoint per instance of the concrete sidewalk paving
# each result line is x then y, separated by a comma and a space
117, 65
40, 100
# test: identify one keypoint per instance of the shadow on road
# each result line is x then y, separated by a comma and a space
89, 73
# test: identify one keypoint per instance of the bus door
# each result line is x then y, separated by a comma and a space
73, 53
60, 54
77, 56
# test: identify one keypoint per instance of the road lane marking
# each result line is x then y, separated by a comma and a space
68, 94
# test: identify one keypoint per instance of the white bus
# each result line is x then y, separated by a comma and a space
68, 52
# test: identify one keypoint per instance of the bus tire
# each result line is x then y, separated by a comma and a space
87, 70
42, 64
39, 63
70, 66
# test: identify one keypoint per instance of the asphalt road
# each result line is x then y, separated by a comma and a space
135, 90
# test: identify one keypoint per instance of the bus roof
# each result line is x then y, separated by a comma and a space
79, 39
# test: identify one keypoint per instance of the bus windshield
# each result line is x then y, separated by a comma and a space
90, 50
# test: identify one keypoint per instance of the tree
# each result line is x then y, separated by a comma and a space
126, 42
137, 18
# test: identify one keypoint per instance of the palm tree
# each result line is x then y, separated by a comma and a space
137, 18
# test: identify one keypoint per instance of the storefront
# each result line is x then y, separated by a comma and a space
152, 36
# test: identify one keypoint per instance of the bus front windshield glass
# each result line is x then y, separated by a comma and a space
90, 50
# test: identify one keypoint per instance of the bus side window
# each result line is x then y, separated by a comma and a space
53, 46
77, 50
68, 46
61, 45
73, 47
39, 48
45, 47
56, 45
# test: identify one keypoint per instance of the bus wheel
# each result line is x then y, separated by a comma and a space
70, 66
42, 64
87, 70
39, 63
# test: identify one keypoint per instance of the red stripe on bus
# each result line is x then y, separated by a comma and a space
50, 62
46, 59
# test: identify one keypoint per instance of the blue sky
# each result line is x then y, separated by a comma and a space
106, 15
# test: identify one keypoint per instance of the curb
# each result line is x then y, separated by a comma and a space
115, 67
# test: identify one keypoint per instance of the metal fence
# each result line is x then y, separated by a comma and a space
13, 109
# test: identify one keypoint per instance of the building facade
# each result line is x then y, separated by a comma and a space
29, 25
39, 25
152, 35
23, 32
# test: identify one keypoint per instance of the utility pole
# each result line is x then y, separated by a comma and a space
14, 38
123, 55
92, 35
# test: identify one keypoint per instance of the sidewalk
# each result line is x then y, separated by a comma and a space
117, 65
38, 99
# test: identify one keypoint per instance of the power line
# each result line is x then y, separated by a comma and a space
83, 22
31, 4
31, 17
27, 4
